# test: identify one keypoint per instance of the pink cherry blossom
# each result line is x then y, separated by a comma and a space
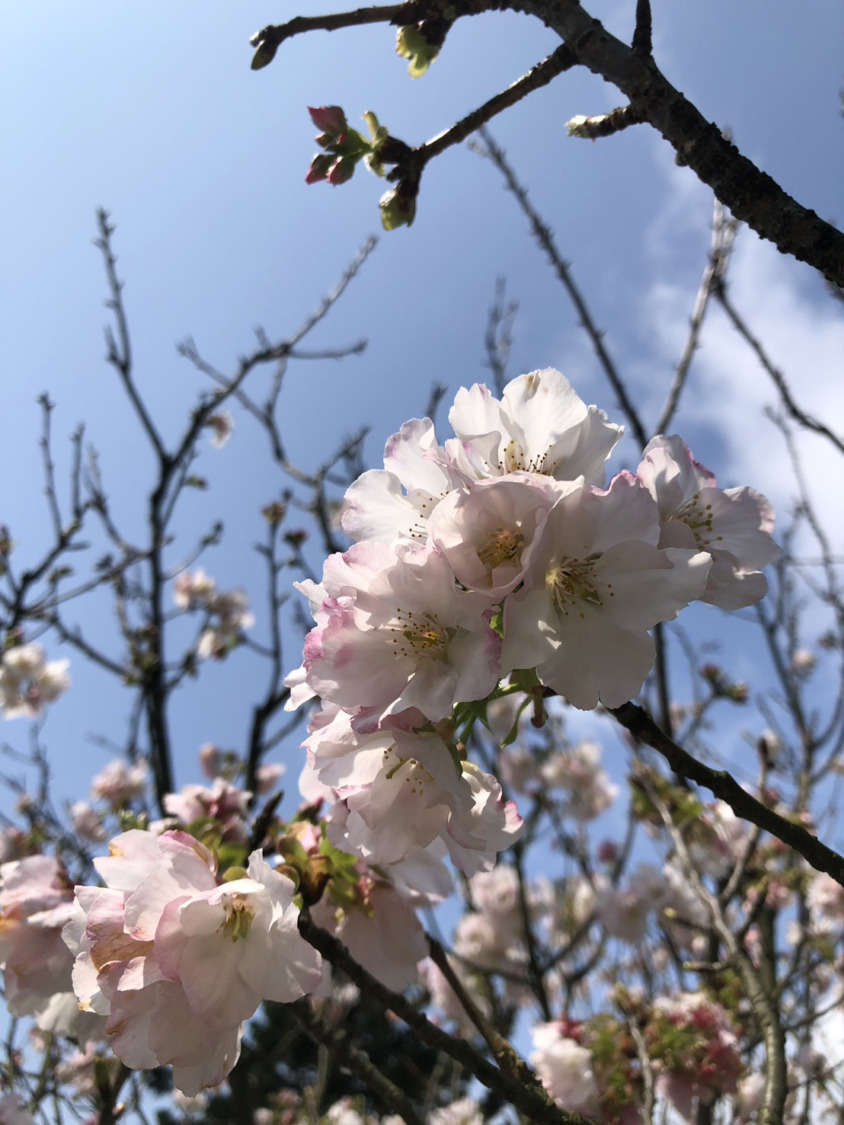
396, 502
398, 633
11, 1112
596, 584
223, 802
28, 681
36, 901
382, 931
178, 960
540, 425
120, 782
734, 526
487, 533
565, 1069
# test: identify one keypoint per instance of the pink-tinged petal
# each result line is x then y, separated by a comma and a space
486, 534
416, 459
329, 119
734, 526
375, 507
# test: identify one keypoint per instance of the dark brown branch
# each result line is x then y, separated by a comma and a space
643, 35
750, 194
505, 1054
267, 41
538, 76
533, 1102
724, 786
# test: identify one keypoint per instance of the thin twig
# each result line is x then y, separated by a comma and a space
800, 416
538, 76
724, 230
545, 238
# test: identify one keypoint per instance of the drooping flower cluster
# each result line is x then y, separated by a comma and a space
177, 960
697, 1049
499, 554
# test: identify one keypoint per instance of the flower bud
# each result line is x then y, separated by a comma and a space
398, 207
329, 119
412, 43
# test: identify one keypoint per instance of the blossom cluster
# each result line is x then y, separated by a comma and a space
227, 611
486, 572
498, 562
692, 1051
28, 681
177, 959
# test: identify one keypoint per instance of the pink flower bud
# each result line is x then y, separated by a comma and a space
329, 119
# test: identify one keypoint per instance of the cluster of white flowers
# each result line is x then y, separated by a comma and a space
227, 610
564, 1068
28, 681
36, 901
493, 564
500, 554
177, 960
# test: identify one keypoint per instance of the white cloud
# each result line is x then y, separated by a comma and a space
801, 329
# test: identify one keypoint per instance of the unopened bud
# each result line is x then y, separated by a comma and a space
398, 207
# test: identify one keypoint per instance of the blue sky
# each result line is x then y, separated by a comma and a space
151, 111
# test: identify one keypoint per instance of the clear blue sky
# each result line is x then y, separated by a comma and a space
150, 110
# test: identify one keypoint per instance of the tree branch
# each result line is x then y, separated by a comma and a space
724, 786
750, 194
533, 1102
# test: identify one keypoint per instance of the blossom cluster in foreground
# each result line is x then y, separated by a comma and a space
498, 562
492, 569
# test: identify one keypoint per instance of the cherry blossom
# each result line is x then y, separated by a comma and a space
596, 583
223, 802
120, 782
565, 1070
398, 633
380, 930
36, 900
540, 425
28, 681
11, 1112
178, 960
487, 533
734, 526
396, 502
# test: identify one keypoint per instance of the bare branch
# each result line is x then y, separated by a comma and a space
724, 230
542, 233
750, 194
723, 785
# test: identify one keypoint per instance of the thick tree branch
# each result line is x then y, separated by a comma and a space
724, 786
750, 194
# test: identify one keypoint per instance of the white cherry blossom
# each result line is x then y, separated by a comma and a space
540, 425
178, 960
597, 582
733, 525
